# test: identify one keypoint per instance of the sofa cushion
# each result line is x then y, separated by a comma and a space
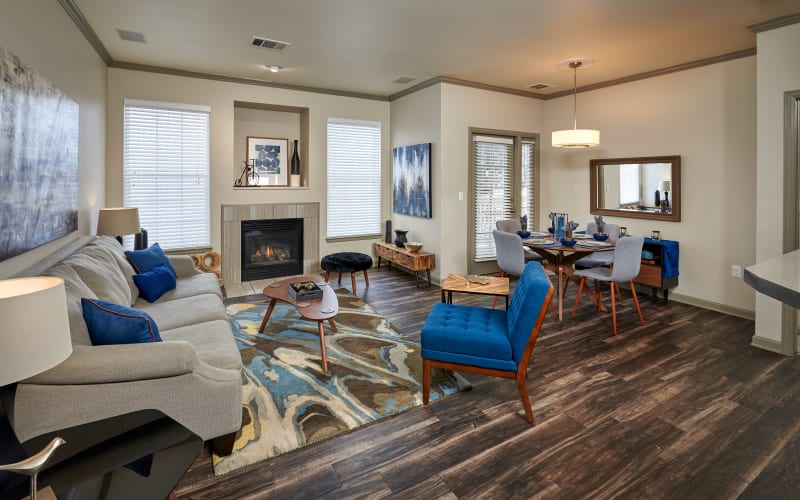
196, 284
75, 289
147, 259
98, 269
111, 243
111, 324
212, 341
176, 313
155, 282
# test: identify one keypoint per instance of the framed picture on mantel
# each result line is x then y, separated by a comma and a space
270, 158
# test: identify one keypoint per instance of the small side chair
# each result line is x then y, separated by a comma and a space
489, 341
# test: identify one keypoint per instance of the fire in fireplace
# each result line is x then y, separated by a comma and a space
271, 248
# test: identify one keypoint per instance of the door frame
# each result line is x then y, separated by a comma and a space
791, 206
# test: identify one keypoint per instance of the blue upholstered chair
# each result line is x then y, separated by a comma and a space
489, 341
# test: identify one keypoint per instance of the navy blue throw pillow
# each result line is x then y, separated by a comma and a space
111, 324
147, 259
155, 282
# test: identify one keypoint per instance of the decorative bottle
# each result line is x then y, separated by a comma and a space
295, 170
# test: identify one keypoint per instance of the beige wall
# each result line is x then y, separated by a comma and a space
778, 72
416, 118
462, 108
707, 115
225, 154
41, 34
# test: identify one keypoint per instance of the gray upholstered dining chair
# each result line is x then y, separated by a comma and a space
627, 261
598, 259
512, 226
511, 259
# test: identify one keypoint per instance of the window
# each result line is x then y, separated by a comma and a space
354, 178
628, 184
503, 185
166, 171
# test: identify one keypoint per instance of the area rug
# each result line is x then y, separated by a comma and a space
374, 371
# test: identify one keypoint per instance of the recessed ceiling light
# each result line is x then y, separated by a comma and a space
274, 68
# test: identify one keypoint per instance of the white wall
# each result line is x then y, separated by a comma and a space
707, 115
225, 154
778, 72
41, 34
416, 119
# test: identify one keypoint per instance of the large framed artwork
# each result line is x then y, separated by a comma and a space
411, 180
38, 159
270, 158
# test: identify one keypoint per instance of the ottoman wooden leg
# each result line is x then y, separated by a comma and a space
340, 279
353, 281
327, 275
366, 278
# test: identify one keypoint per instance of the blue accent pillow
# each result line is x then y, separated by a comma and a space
111, 324
155, 282
147, 259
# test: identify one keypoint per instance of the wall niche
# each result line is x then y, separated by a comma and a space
252, 119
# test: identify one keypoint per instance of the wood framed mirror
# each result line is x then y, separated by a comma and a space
643, 188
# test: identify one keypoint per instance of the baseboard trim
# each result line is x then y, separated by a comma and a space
768, 345
713, 306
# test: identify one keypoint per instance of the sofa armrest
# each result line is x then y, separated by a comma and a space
122, 363
184, 265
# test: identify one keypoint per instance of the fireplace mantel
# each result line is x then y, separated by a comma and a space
232, 217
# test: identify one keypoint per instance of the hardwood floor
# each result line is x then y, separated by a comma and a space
682, 407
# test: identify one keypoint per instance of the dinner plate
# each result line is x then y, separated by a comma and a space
583, 236
540, 241
592, 243
539, 233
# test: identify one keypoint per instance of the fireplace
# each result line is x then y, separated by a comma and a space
271, 248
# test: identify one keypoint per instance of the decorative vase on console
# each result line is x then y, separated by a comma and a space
295, 177
400, 238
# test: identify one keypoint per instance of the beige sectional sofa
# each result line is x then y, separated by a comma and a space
193, 377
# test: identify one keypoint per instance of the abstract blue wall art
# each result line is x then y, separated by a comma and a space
411, 180
38, 159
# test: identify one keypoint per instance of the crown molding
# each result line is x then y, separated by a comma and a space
76, 15
246, 81
778, 22
658, 72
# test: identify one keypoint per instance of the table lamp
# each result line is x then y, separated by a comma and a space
118, 222
665, 186
34, 337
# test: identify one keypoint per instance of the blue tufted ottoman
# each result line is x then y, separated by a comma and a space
347, 262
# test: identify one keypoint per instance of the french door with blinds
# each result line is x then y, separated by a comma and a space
503, 170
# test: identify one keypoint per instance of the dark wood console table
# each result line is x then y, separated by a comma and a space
656, 272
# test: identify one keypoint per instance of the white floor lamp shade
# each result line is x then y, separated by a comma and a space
34, 331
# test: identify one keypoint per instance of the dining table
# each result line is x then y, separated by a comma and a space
561, 259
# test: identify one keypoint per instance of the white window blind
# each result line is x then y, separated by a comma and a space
628, 184
492, 187
354, 178
166, 171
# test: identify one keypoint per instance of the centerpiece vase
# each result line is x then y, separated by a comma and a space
400, 238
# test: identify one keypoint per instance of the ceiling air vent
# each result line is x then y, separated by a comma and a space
270, 44
405, 79
539, 86
130, 36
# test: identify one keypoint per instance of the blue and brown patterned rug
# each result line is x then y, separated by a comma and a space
374, 371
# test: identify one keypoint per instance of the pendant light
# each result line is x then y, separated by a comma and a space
575, 137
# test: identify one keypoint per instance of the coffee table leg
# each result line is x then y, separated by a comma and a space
322, 346
333, 325
267, 315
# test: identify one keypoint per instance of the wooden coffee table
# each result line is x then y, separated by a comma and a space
319, 310
458, 283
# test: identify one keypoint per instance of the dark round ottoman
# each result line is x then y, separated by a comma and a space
347, 262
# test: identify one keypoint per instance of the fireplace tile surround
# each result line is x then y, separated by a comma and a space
232, 217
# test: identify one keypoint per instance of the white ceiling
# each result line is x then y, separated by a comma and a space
363, 45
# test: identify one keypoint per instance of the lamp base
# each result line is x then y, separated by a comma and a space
140, 240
